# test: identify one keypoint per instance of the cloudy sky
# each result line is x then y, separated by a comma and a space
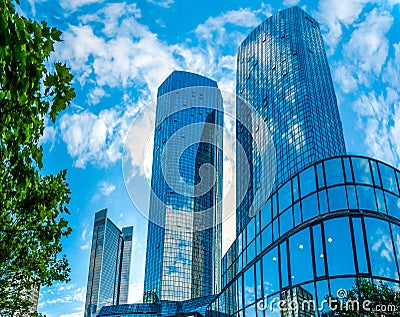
120, 52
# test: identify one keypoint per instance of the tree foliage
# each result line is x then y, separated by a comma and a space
32, 204
366, 299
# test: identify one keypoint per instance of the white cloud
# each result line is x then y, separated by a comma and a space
344, 77
85, 246
135, 294
290, 3
106, 188
332, 14
75, 4
49, 133
162, 3
368, 46
391, 73
379, 118
95, 95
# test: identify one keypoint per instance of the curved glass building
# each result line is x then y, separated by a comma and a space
283, 72
184, 232
329, 227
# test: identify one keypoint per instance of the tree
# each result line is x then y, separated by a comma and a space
32, 205
368, 300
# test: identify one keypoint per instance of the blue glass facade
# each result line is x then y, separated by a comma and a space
327, 228
184, 231
282, 71
109, 267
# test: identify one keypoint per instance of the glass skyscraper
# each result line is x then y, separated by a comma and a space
184, 231
283, 73
331, 226
109, 267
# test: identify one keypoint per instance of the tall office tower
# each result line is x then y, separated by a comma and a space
184, 231
109, 267
332, 228
283, 73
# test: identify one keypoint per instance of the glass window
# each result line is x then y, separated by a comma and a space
396, 240
266, 236
352, 197
322, 293
240, 291
319, 253
323, 202
337, 198
388, 178
248, 284
300, 257
250, 230
375, 173
380, 200
270, 272
339, 247
297, 214
275, 229
393, 205
334, 172
250, 311
309, 207
286, 221
366, 198
258, 280
320, 175
347, 169
360, 246
251, 251
285, 196
284, 265
295, 188
362, 173
266, 214
307, 181
380, 248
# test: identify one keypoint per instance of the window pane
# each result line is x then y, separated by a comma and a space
352, 197
388, 178
250, 230
295, 188
380, 200
270, 272
323, 202
338, 247
309, 207
285, 196
375, 173
347, 169
249, 283
362, 173
266, 214
275, 229
319, 253
258, 280
360, 246
337, 198
284, 265
266, 236
251, 251
366, 198
320, 175
300, 257
307, 181
396, 238
380, 247
240, 292
297, 214
393, 205
286, 221
334, 172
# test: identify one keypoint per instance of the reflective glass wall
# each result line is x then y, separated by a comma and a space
184, 232
282, 71
331, 226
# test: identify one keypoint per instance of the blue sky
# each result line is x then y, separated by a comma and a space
120, 52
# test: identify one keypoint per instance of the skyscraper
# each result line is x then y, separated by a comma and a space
109, 267
184, 231
283, 73
331, 225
